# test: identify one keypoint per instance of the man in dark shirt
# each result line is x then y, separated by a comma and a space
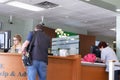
39, 53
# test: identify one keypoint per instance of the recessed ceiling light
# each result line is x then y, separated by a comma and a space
114, 41
24, 6
66, 16
113, 29
87, 0
118, 10
3, 1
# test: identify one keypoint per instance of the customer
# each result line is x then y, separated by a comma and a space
39, 53
107, 54
17, 44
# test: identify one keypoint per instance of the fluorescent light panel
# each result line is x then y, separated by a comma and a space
3, 1
24, 6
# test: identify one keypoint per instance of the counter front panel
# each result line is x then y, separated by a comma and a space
59, 68
11, 67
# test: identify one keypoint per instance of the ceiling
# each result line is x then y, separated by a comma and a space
97, 19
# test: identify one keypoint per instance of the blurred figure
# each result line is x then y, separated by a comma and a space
17, 44
39, 53
107, 54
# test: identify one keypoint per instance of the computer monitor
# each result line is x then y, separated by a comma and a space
95, 50
5, 40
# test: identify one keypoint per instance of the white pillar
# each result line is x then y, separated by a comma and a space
111, 70
118, 36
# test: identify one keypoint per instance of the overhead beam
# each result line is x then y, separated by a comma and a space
102, 4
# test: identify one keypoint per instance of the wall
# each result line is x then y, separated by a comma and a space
23, 26
19, 26
86, 41
106, 39
83, 31
65, 28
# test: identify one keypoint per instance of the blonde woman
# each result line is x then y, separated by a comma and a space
17, 44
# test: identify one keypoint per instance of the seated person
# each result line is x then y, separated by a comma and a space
17, 44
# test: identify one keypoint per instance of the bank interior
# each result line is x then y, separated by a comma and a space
74, 26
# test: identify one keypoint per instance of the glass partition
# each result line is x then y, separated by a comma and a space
70, 43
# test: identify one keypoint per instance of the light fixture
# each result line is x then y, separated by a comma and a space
87, 0
117, 10
24, 6
113, 29
3, 1
114, 41
66, 16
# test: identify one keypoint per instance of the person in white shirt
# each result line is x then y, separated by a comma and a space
107, 54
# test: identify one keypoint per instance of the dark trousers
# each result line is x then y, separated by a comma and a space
116, 75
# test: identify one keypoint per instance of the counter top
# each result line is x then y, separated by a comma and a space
66, 57
11, 54
92, 64
71, 57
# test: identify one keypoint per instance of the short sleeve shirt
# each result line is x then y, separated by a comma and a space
30, 35
108, 54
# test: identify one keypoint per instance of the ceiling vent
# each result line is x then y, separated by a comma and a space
46, 5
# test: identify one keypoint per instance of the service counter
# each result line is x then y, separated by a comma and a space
11, 67
67, 68
93, 71
64, 68
59, 68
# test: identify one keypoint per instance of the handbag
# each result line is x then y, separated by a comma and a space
27, 58
90, 57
